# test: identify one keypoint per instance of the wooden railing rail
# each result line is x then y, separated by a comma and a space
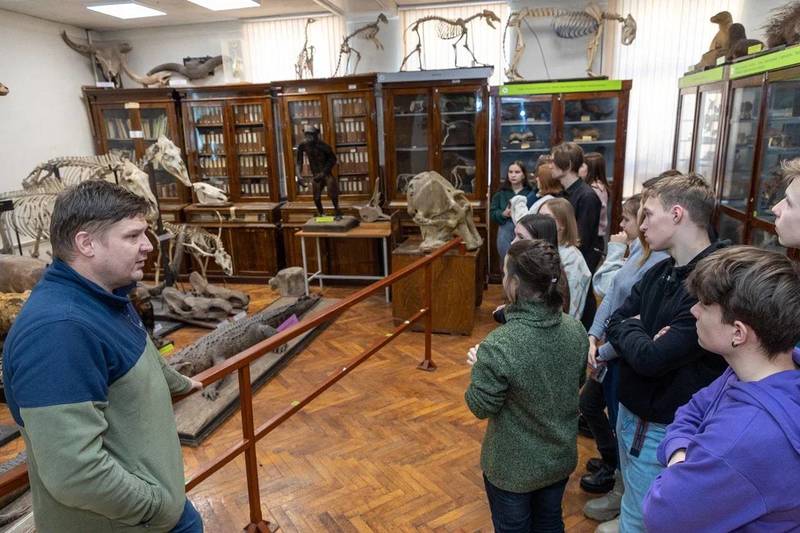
18, 476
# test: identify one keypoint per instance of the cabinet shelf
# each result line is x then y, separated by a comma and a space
599, 141
411, 114
609, 121
209, 125
525, 123
423, 149
363, 143
525, 149
307, 118
458, 112
209, 154
245, 124
248, 152
451, 148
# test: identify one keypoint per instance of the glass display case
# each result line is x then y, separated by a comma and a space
526, 130
684, 134
229, 143
740, 150
592, 123
412, 132
708, 132
458, 117
731, 228
128, 121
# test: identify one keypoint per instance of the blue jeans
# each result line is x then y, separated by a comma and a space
505, 234
538, 511
637, 472
190, 521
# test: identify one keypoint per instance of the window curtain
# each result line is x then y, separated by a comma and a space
272, 46
486, 43
671, 36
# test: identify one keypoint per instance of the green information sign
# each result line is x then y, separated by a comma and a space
699, 78
552, 87
757, 65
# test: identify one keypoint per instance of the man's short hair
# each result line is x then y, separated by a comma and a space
690, 192
92, 206
568, 156
758, 287
790, 170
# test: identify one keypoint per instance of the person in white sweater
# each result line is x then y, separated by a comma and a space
578, 274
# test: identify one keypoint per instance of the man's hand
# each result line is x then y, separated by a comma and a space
196, 385
678, 456
663, 331
507, 212
472, 355
592, 357
620, 237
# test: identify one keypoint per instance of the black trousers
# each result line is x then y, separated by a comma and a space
593, 408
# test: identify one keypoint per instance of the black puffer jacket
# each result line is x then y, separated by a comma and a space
657, 377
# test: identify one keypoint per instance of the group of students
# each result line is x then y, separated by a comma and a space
690, 354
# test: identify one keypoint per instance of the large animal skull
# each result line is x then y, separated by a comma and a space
223, 259
628, 30
137, 181
207, 194
490, 17
164, 152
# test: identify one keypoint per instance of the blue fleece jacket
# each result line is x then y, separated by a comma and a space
742, 467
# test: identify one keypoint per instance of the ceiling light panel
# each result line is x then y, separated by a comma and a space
222, 5
126, 10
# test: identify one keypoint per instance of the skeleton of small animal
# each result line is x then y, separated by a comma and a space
233, 337
453, 125
456, 171
567, 24
305, 59
448, 30
201, 245
109, 56
368, 32
372, 211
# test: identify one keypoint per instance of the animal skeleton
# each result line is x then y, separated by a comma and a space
305, 59
159, 79
447, 29
193, 68
568, 25
207, 194
201, 245
372, 211
455, 174
368, 32
110, 56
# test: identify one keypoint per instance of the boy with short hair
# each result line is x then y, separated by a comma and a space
661, 364
733, 451
787, 211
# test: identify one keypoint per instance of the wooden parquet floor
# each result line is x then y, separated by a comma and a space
388, 448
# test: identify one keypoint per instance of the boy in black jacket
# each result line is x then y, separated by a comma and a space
662, 364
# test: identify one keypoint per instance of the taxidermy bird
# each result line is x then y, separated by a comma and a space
110, 56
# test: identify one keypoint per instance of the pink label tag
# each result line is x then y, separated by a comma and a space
289, 322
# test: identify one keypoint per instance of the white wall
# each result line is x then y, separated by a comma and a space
43, 115
154, 46
390, 35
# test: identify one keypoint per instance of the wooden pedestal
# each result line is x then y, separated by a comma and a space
457, 286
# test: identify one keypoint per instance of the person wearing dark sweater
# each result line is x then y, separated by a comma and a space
525, 380
515, 184
661, 364
740, 434
86, 385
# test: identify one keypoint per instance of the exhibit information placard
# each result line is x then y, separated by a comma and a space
699, 78
554, 87
781, 59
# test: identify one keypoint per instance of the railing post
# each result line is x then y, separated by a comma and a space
257, 523
428, 364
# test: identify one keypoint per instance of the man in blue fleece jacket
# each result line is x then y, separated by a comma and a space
86, 385
733, 451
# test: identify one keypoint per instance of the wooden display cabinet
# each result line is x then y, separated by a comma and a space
250, 234
531, 118
344, 110
129, 121
229, 142
757, 128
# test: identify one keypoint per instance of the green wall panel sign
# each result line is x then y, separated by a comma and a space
757, 65
699, 78
554, 87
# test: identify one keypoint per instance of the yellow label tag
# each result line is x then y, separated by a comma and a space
167, 349
586, 118
754, 48
131, 105
323, 219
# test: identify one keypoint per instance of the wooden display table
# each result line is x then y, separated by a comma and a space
456, 293
373, 230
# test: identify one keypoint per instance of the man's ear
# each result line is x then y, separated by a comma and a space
677, 213
741, 333
84, 243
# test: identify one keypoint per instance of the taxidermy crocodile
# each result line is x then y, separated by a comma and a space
233, 337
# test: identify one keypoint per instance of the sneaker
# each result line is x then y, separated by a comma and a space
599, 482
612, 526
594, 464
606, 507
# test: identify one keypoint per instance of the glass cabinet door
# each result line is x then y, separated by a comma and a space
411, 130
155, 123
117, 124
683, 149
251, 149
708, 130
208, 132
741, 145
302, 113
766, 239
592, 123
780, 142
351, 120
526, 131
458, 115
730, 228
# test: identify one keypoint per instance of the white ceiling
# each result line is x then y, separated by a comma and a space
74, 12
